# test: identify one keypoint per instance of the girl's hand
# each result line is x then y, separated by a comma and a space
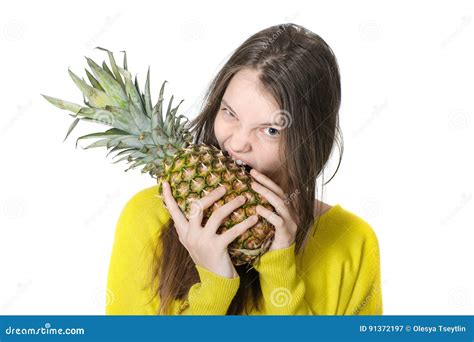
207, 248
285, 227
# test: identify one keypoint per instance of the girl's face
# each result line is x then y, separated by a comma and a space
245, 125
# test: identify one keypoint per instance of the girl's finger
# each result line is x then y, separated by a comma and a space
261, 178
175, 211
274, 200
271, 217
230, 235
198, 207
220, 214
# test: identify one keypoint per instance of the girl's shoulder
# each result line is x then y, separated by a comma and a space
148, 204
143, 215
340, 229
320, 208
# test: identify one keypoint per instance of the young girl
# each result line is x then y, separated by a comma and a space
274, 105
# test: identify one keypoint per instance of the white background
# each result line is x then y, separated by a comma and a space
407, 86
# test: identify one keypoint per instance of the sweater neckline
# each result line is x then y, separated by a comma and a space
329, 211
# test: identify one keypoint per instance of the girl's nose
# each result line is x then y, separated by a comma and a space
239, 143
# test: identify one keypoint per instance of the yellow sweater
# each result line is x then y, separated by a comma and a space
338, 273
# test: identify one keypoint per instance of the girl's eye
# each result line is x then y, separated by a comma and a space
274, 132
228, 112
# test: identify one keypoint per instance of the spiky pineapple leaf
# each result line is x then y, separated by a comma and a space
157, 116
110, 133
125, 66
110, 84
106, 68
131, 90
63, 104
141, 97
139, 117
121, 152
132, 142
125, 116
113, 65
96, 97
116, 140
74, 123
144, 135
104, 116
120, 159
93, 81
98, 143
148, 105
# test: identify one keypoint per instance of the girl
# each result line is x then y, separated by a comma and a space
274, 105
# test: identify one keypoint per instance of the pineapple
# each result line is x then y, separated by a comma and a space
163, 147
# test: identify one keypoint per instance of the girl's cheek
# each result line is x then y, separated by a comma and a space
217, 125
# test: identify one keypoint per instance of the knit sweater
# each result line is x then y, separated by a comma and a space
338, 272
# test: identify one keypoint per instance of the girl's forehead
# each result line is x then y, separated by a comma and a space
246, 97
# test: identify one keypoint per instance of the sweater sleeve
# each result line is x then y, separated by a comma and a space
128, 285
128, 288
355, 291
366, 298
282, 289
211, 296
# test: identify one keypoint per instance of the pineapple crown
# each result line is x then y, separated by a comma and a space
138, 134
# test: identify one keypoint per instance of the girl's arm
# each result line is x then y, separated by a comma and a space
283, 290
348, 285
128, 285
212, 296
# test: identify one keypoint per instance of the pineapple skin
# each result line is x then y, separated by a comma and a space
197, 170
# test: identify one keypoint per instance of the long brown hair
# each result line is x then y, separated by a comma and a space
301, 72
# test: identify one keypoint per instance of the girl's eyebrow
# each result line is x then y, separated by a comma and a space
228, 105
233, 111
